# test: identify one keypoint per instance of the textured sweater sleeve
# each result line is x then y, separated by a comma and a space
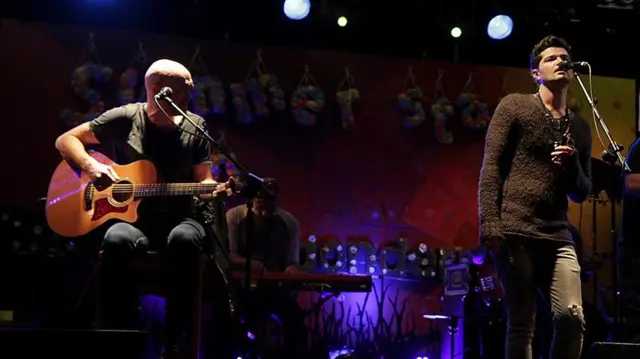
497, 159
579, 172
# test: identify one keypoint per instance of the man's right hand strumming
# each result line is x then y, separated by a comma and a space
98, 171
71, 145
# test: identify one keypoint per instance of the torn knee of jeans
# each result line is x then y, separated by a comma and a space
575, 310
572, 315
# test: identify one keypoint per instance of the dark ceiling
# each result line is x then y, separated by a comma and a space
409, 28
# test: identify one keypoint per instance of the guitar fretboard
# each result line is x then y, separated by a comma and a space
165, 189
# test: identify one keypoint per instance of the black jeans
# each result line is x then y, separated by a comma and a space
528, 266
184, 242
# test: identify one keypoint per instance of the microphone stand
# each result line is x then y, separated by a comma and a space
613, 155
225, 151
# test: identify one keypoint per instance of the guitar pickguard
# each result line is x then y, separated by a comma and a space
103, 208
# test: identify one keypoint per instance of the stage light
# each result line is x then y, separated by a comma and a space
296, 9
342, 21
456, 32
500, 27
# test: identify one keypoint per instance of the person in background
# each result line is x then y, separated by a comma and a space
274, 241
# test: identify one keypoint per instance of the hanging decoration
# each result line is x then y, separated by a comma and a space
409, 101
258, 98
91, 71
346, 95
239, 99
307, 100
207, 90
217, 96
254, 88
475, 114
276, 94
442, 111
259, 82
130, 80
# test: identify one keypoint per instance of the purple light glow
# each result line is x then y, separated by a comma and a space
337, 353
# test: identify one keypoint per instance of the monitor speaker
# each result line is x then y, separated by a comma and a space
603, 350
71, 344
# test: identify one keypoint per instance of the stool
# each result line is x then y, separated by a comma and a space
146, 269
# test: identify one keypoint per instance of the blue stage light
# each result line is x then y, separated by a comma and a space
500, 27
296, 9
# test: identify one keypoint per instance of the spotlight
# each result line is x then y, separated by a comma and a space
342, 21
456, 32
500, 27
296, 9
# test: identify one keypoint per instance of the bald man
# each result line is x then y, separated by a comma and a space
152, 131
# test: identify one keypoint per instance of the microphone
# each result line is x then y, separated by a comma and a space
572, 65
609, 155
164, 93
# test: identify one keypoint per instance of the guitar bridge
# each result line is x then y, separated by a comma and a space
88, 197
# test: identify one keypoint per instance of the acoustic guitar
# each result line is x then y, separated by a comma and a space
76, 206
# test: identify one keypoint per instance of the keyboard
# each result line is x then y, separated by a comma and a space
310, 282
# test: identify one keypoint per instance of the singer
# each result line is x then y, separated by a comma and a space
153, 131
537, 153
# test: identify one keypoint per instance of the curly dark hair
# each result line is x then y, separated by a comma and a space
547, 42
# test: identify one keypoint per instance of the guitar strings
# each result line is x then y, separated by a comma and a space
125, 188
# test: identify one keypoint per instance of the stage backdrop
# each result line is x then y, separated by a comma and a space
386, 174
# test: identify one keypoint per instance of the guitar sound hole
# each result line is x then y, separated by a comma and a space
122, 191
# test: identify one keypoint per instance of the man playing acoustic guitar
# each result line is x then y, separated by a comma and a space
150, 131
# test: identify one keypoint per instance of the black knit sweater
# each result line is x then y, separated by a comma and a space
521, 191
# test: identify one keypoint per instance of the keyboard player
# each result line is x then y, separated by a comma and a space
275, 241
275, 247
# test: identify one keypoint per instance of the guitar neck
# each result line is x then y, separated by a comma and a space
166, 189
